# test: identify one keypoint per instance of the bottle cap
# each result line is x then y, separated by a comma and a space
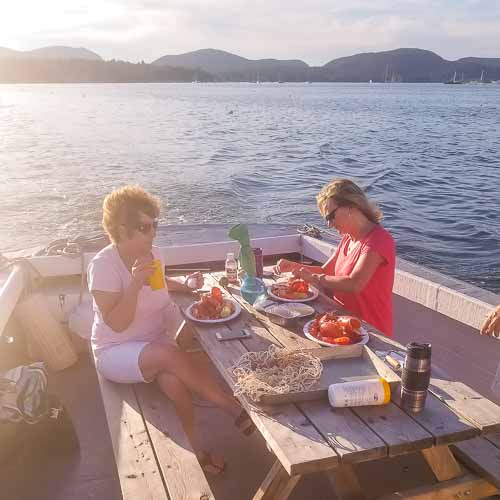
387, 390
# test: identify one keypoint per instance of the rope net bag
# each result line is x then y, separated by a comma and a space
275, 371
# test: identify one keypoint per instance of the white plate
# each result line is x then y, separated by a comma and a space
237, 310
290, 309
315, 293
365, 336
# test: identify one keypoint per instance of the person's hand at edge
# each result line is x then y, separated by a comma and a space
491, 325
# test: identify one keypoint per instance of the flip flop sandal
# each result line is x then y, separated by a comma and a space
206, 461
202, 403
244, 423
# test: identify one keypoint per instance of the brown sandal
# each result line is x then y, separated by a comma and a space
208, 464
244, 423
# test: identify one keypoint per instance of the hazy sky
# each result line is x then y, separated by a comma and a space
315, 31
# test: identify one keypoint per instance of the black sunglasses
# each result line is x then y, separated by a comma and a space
331, 216
146, 227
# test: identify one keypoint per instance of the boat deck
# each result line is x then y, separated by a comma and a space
92, 473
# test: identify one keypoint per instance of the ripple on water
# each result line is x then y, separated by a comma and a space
223, 153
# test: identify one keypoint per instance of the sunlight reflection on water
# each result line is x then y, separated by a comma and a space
429, 154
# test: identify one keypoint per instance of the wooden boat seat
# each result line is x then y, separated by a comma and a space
153, 455
482, 455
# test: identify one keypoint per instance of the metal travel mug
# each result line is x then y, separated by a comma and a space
416, 376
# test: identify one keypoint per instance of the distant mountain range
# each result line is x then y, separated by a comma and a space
54, 52
231, 67
67, 64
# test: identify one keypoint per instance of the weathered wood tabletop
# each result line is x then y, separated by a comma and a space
311, 436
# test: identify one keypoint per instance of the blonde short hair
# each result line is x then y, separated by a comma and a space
346, 193
122, 207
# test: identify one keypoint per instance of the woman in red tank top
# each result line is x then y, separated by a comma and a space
360, 274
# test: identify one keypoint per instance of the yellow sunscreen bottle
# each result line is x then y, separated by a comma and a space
359, 393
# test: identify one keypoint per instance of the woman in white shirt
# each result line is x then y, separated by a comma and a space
134, 326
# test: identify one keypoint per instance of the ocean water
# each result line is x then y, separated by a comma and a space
428, 154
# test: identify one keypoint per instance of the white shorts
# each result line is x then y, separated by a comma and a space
120, 363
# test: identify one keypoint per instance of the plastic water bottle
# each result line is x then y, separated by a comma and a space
231, 268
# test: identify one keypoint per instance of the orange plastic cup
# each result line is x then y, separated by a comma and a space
157, 280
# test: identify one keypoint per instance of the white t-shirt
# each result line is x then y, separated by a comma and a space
156, 314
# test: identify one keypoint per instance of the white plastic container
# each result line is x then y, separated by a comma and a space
192, 283
231, 268
359, 393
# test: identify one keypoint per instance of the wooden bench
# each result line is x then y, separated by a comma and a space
153, 455
482, 455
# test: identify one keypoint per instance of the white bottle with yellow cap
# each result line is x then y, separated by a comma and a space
359, 393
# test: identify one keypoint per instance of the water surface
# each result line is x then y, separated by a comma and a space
428, 154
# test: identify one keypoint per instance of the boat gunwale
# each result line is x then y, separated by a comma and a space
455, 299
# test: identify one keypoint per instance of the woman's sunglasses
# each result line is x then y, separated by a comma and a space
146, 227
331, 215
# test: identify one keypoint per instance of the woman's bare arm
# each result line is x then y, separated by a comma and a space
354, 283
286, 266
118, 309
193, 281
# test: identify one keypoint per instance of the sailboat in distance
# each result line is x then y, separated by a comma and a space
454, 80
481, 80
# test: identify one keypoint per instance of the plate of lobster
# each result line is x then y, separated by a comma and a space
213, 308
331, 330
293, 290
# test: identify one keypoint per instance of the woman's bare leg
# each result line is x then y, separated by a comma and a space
159, 357
180, 396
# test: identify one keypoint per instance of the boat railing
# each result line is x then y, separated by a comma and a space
460, 301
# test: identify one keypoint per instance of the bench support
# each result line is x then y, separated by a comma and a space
277, 485
442, 462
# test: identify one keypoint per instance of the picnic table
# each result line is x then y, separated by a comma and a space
309, 436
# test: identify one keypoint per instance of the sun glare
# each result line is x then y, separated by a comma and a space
26, 20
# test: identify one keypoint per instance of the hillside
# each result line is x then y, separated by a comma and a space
68, 64
227, 66
483, 61
27, 70
408, 65
55, 52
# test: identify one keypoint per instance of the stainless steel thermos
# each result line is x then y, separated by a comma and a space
416, 376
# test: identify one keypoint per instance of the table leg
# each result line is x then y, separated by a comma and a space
345, 483
442, 462
277, 485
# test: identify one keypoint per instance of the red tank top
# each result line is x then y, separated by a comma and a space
374, 302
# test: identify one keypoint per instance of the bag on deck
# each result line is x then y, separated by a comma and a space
23, 394
32, 416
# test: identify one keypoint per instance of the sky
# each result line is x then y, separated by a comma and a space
315, 31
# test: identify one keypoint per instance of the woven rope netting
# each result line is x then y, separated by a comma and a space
275, 371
